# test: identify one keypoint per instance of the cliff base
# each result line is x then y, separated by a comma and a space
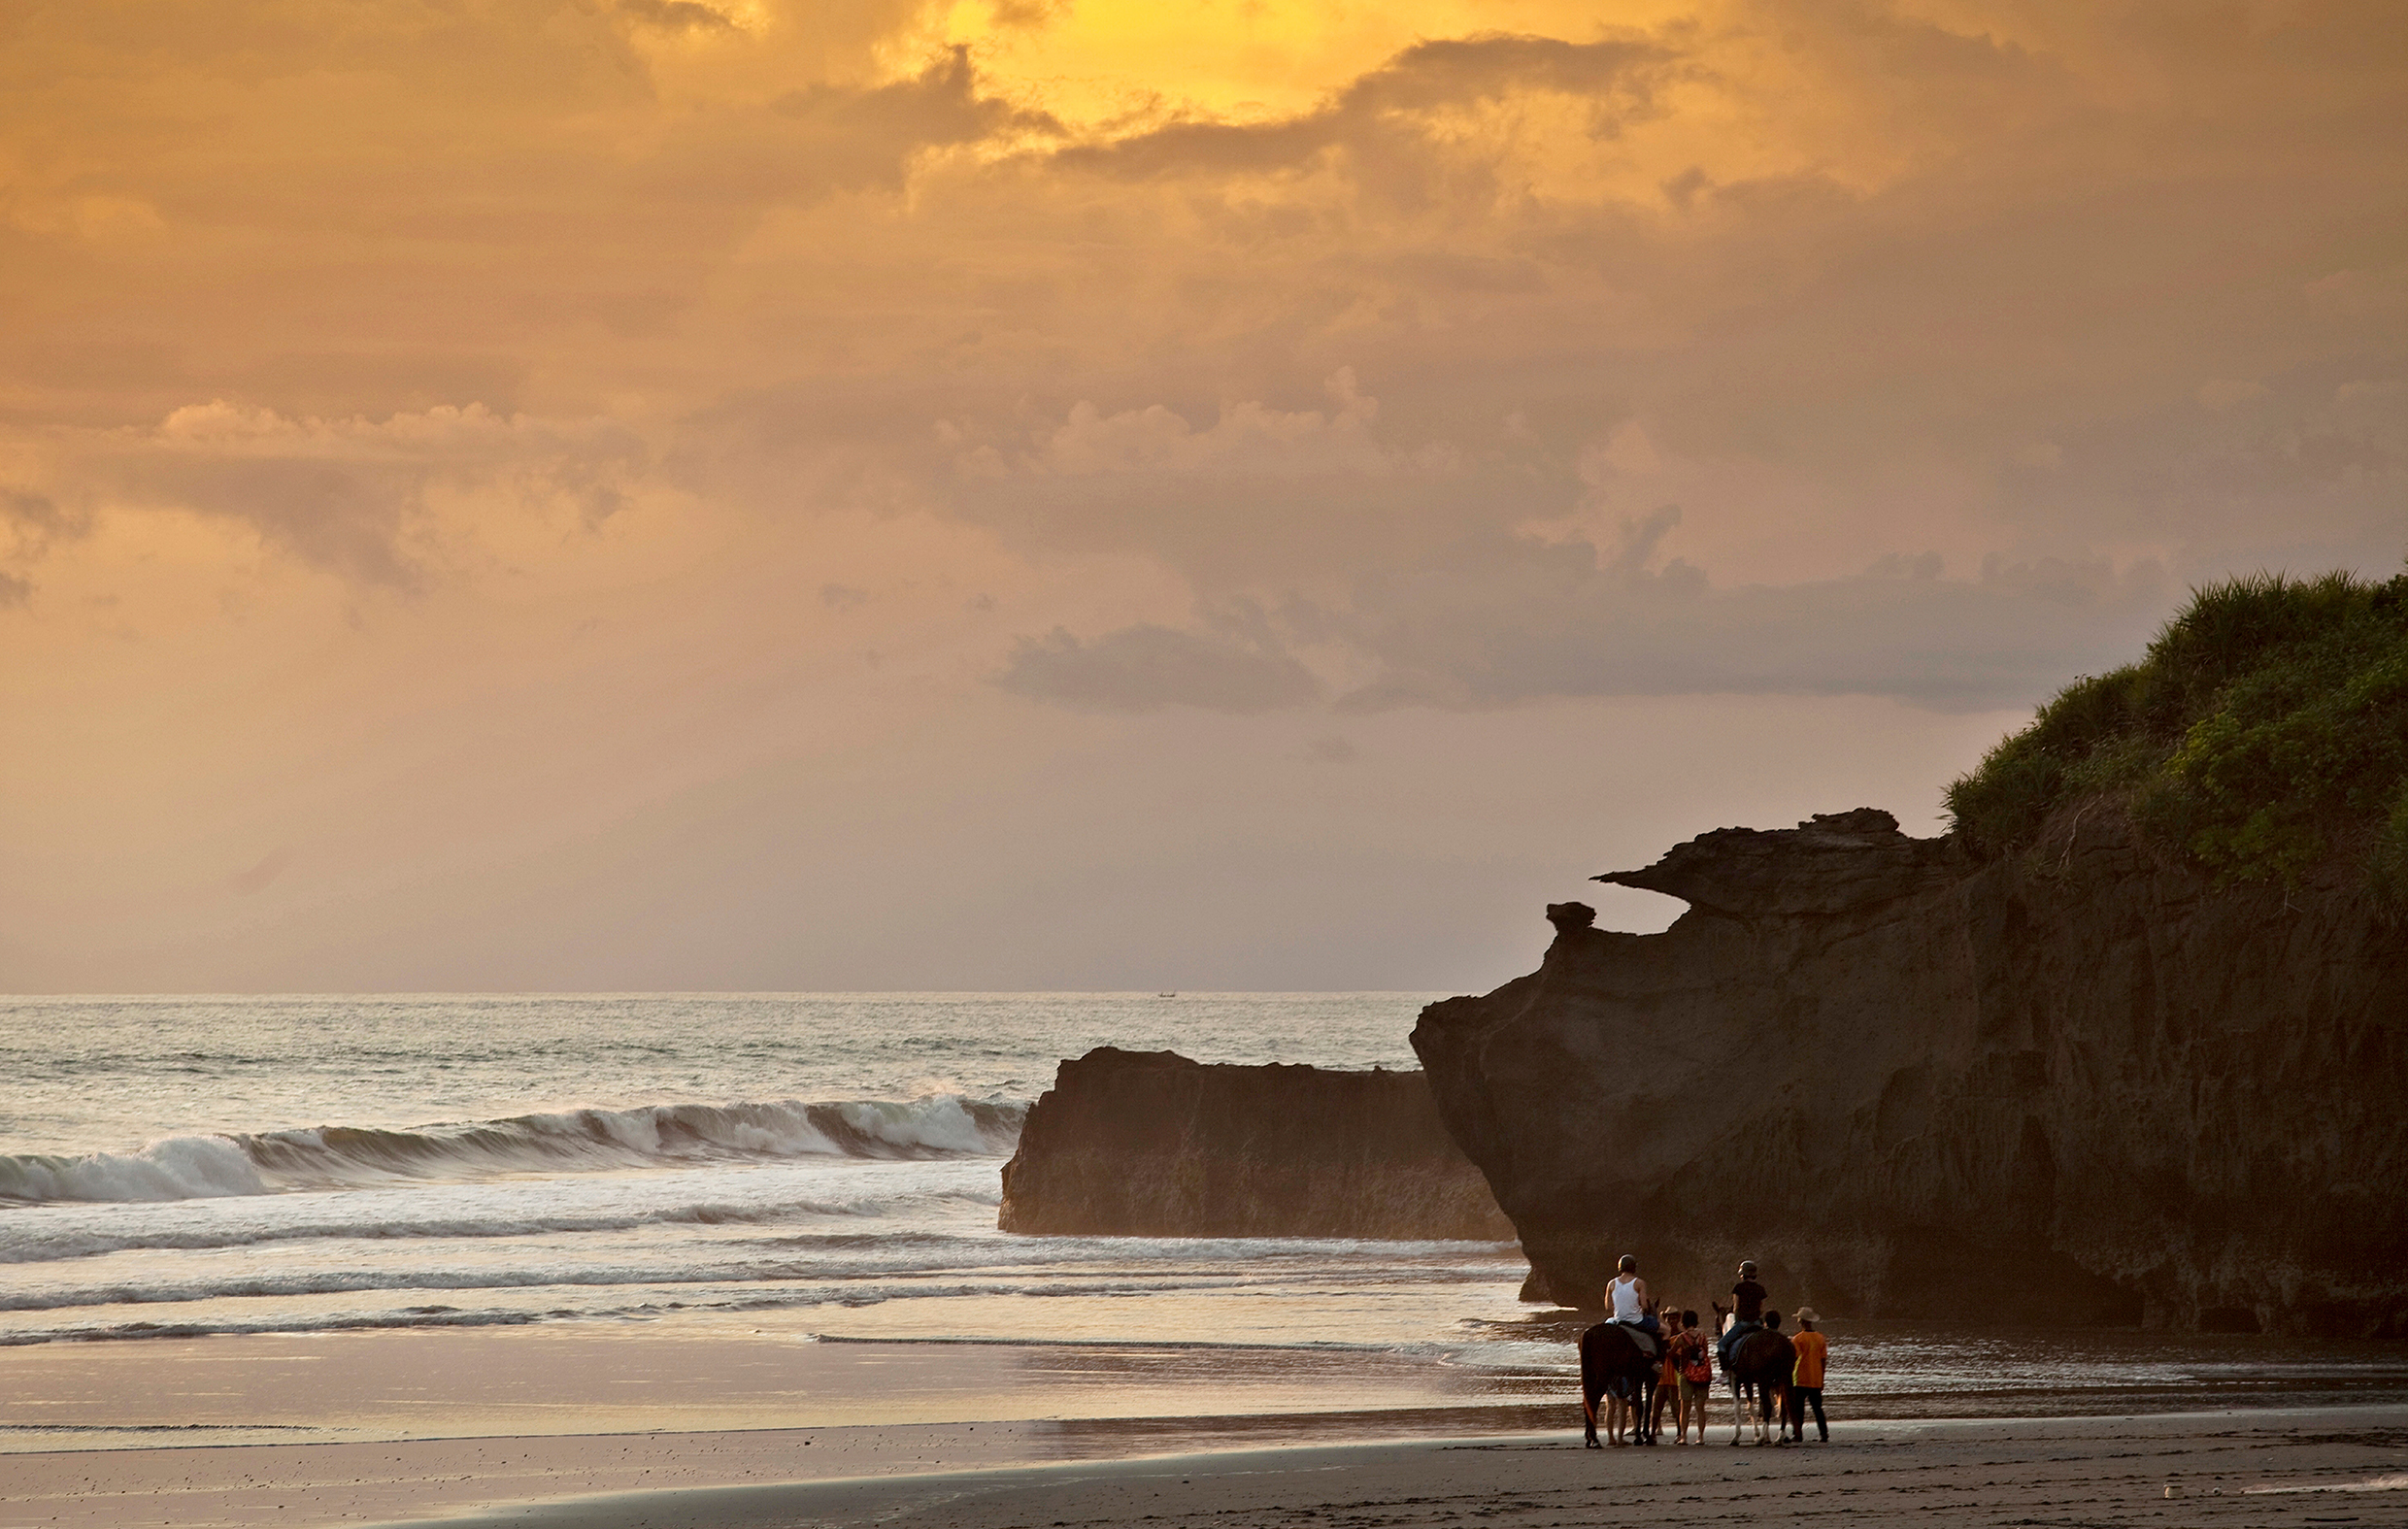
1149, 1144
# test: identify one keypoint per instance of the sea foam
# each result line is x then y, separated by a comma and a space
342, 1157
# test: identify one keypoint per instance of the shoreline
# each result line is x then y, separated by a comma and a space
1012, 1473
2263, 1466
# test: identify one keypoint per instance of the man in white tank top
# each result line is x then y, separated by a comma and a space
1626, 1297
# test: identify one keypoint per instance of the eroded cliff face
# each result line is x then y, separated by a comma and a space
2081, 1085
1149, 1144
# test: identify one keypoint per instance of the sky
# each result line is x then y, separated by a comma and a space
1065, 495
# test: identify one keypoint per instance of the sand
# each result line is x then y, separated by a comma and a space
592, 1427
2346, 1465
578, 1377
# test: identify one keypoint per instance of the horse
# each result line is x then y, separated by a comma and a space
1761, 1365
1611, 1358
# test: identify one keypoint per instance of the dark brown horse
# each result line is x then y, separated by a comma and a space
1613, 1359
1761, 1365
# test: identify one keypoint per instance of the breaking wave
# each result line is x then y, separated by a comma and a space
48, 1244
340, 1157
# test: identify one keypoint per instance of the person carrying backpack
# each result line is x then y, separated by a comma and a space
1696, 1367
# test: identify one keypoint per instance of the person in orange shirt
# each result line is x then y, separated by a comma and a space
1806, 1381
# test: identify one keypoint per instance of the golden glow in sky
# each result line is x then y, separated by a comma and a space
690, 493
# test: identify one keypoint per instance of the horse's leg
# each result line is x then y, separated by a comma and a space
1589, 1416
1739, 1408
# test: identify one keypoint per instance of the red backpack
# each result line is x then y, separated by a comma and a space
1695, 1367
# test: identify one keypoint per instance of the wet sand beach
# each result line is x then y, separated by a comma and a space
2273, 1467
712, 1423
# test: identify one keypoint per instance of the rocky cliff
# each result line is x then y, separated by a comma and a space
2078, 1085
1149, 1144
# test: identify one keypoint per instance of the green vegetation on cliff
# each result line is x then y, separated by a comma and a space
2265, 731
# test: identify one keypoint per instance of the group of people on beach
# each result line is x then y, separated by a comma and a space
1691, 1356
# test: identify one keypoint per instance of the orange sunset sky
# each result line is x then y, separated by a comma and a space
1063, 493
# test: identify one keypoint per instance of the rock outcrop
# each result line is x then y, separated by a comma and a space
1149, 1144
2080, 1084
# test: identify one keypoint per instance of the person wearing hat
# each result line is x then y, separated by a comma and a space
1806, 1381
1747, 1311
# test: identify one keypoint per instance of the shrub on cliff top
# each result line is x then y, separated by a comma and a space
2266, 729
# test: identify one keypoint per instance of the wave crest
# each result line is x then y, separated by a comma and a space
180, 1168
344, 1156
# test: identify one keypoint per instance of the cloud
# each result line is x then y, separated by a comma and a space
255, 880
830, 137
1331, 365
1145, 667
1523, 620
676, 15
1926, 299
1261, 496
1399, 100
35, 523
35, 520
1387, 578
1248, 438
1526, 621
351, 496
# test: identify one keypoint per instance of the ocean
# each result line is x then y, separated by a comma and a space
818, 1169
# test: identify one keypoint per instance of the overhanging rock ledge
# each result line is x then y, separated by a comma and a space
2078, 1086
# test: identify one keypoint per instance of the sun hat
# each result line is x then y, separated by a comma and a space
1805, 1313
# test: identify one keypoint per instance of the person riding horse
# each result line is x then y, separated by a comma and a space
1761, 1363
1620, 1358
1748, 1312
1626, 1302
